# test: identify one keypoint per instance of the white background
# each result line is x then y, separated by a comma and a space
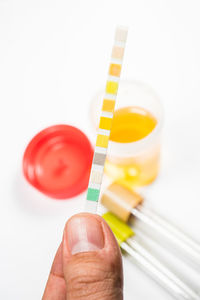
53, 57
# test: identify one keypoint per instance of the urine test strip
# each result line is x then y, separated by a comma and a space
157, 270
105, 123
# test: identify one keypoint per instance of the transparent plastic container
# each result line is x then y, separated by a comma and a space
134, 163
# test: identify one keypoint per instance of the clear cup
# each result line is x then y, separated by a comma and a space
133, 163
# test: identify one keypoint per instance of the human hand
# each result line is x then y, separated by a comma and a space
87, 264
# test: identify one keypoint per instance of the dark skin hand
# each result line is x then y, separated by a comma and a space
88, 264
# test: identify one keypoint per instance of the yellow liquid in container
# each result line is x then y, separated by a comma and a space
131, 124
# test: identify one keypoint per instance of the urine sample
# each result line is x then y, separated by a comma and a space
134, 147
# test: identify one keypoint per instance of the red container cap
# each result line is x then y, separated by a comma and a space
57, 161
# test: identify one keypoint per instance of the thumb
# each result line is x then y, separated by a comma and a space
91, 260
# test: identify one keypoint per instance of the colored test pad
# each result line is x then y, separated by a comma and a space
108, 105
115, 69
105, 123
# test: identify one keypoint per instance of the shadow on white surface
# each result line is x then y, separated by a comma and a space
33, 202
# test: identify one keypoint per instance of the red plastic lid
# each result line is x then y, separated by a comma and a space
57, 161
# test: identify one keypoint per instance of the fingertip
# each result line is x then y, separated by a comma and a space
91, 228
92, 258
